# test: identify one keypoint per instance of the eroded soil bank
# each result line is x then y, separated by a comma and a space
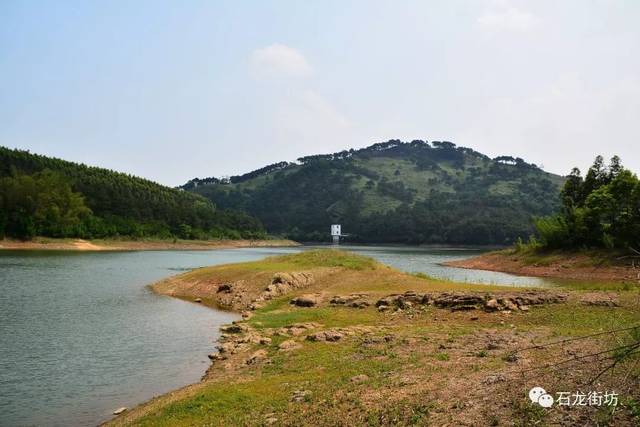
331, 338
559, 265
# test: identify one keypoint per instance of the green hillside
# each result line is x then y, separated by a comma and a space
56, 198
398, 192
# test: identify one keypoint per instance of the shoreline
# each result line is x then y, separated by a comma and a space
555, 265
82, 245
285, 335
164, 287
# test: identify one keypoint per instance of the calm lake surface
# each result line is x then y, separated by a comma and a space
81, 334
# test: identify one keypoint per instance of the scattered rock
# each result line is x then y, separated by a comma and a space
492, 379
352, 300
255, 305
119, 410
270, 420
509, 304
301, 395
289, 345
217, 356
328, 335
511, 357
599, 299
257, 357
404, 304
493, 345
197, 300
306, 300
359, 378
296, 329
225, 287
492, 305
265, 340
228, 347
234, 328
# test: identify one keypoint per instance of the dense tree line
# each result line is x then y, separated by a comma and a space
601, 210
195, 182
51, 197
302, 200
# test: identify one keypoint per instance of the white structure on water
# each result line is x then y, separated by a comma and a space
336, 232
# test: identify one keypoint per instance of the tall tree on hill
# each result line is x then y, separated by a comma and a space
603, 210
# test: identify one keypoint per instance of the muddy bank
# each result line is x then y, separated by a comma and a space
140, 245
555, 265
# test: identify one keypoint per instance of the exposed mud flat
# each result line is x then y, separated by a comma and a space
560, 266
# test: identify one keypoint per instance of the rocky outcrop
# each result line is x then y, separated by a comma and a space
330, 335
455, 301
600, 299
236, 338
351, 300
257, 357
336, 334
283, 283
234, 328
307, 300
296, 329
244, 294
289, 345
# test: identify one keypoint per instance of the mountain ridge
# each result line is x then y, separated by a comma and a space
394, 192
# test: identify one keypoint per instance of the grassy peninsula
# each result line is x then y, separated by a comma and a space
332, 338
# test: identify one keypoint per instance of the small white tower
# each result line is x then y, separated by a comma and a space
335, 233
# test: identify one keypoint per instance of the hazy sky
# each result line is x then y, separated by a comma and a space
171, 90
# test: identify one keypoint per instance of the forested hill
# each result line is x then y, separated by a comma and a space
417, 192
51, 197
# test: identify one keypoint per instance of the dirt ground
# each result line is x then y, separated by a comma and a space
562, 266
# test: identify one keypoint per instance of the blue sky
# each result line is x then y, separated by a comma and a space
172, 90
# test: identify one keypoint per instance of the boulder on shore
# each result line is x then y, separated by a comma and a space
257, 357
306, 300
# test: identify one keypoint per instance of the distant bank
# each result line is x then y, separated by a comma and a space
137, 245
598, 266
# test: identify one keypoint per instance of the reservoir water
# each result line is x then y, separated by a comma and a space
81, 334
